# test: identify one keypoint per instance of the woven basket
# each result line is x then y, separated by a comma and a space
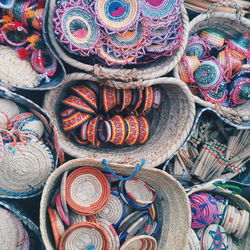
50, 136
6, 4
228, 24
234, 199
36, 242
150, 71
22, 71
173, 210
169, 128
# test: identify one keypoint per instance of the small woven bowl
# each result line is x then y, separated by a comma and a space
170, 123
173, 211
226, 24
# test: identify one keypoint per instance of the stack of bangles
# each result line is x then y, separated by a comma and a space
217, 67
21, 29
95, 115
102, 212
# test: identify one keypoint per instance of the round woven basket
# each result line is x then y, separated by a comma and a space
234, 199
229, 24
153, 70
50, 138
31, 228
173, 210
170, 124
6, 4
21, 75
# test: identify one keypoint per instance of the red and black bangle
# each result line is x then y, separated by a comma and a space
143, 129
87, 94
132, 129
126, 98
118, 130
157, 97
92, 129
104, 131
109, 98
67, 112
74, 121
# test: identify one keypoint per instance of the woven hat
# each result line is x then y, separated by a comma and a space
25, 167
76, 28
170, 123
20, 74
172, 205
13, 234
117, 15
9, 108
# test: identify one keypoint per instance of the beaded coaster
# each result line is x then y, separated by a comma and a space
56, 225
87, 191
117, 15
83, 235
144, 129
203, 208
132, 130
113, 211
76, 28
25, 167
139, 191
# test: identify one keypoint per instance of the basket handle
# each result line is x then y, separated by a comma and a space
136, 170
238, 9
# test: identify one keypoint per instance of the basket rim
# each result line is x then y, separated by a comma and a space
224, 111
106, 72
51, 99
119, 168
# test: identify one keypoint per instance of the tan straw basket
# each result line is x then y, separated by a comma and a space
149, 71
173, 210
234, 199
228, 24
170, 124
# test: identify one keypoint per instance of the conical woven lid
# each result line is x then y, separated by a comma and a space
12, 233
25, 167
20, 74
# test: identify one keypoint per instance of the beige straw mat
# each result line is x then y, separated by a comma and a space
173, 210
15, 72
234, 199
229, 24
149, 71
170, 125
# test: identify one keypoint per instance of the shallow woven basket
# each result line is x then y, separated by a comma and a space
32, 229
234, 199
149, 71
50, 134
170, 125
22, 70
173, 210
228, 24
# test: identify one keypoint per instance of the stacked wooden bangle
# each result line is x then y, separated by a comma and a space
89, 211
216, 67
21, 29
215, 150
26, 159
95, 115
217, 224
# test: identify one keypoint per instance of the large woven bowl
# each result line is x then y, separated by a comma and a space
31, 228
234, 199
228, 24
170, 125
149, 71
50, 131
173, 210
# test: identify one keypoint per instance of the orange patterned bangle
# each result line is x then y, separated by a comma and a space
92, 131
143, 129
109, 98
132, 129
118, 130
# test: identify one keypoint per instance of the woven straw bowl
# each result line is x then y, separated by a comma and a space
228, 24
31, 228
22, 72
173, 210
234, 199
152, 70
50, 135
169, 128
